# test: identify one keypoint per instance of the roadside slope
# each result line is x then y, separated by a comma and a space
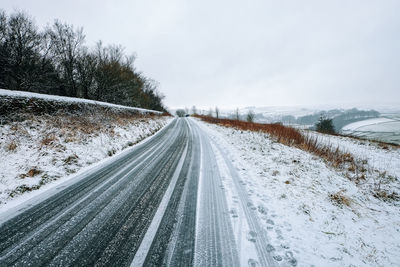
45, 138
311, 211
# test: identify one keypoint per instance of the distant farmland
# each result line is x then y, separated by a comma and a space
386, 129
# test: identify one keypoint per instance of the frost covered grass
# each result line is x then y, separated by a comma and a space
41, 149
312, 209
335, 154
45, 138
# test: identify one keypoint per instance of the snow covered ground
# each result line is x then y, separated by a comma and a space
311, 210
355, 125
43, 149
380, 157
385, 129
64, 99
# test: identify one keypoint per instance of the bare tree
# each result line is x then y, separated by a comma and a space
180, 113
194, 110
56, 61
250, 116
216, 112
66, 45
237, 114
20, 52
86, 70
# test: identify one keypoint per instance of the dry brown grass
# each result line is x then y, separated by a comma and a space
340, 199
386, 196
31, 173
284, 134
71, 159
11, 146
48, 140
354, 169
293, 137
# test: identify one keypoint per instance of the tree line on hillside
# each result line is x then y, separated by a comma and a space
56, 61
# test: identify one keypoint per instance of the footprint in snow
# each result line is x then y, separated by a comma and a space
270, 248
278, 232
271, 222
289, 257
251, 236
262, 209
252, 263
234, 213
285, 246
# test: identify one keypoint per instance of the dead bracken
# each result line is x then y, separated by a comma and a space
340, 199
353, 168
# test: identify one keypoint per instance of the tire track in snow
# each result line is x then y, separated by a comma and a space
215, 243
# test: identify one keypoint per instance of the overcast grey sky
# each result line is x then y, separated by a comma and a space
248, 53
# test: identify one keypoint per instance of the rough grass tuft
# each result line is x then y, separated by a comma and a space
33, 172
340, 199
48, 140
385, 196
12, 146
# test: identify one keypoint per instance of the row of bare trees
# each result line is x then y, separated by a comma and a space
56, 60
250, 116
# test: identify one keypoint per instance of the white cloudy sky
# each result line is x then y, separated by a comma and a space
248, 53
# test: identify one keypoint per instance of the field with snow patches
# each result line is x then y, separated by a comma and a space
312, 210
383, 129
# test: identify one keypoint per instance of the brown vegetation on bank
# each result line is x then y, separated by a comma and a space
353, 168
294, 137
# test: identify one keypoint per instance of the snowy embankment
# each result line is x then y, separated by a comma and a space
47, 138
68, 100
312, 210
381, 157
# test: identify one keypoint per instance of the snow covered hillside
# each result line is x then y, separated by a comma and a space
311, 209
46, 138
384, 129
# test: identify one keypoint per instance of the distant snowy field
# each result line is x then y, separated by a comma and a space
355, 125
383, 129
293, 192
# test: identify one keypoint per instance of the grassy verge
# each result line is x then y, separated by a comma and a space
353, 168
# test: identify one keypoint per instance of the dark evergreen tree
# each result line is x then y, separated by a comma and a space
325, 125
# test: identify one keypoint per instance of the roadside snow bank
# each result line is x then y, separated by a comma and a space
384, 158
310, 209
13, 95
45, 138
34, 153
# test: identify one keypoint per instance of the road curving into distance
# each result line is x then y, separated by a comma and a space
161, 203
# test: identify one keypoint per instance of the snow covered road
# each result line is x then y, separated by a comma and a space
163, 203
